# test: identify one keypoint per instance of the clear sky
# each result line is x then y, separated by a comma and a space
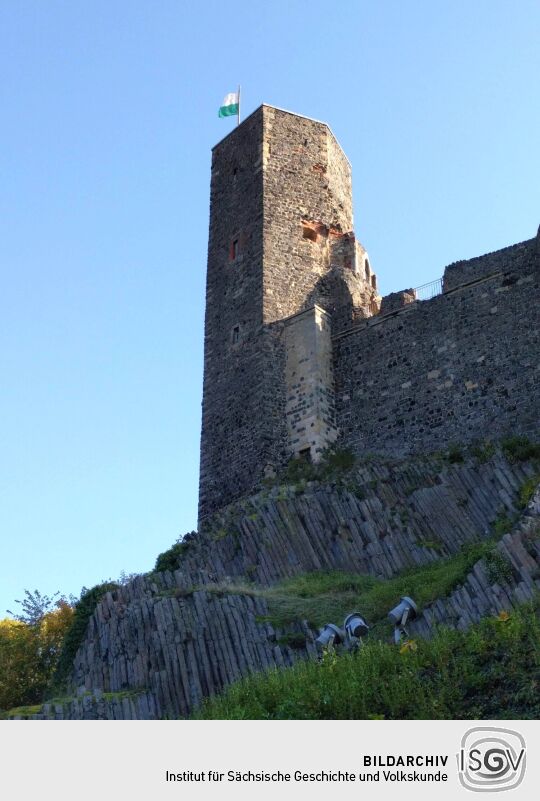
108, 114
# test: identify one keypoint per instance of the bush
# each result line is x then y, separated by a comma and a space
297, 470
455, 453
339, 459
84, 609
171, 559
333, 463
502, 525
483, 451
520, 449
499, 569
527, 491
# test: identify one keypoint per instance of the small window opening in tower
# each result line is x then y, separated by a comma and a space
309, 233
305, 454
374, 281
236, 335
366, 267
234, 249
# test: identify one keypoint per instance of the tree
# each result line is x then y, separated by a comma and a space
29, 648
35, 606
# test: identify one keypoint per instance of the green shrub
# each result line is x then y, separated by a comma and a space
299, 469
483, 451
455, 453
527, 490
338, 459
499, 569
490, 672
520, 449
502, 525
84, 609
171, 559
333, 464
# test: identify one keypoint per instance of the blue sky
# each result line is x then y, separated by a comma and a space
108, 114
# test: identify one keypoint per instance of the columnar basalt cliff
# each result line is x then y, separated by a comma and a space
159, 645
300, 353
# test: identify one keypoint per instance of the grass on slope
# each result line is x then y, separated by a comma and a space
490, 672
327, 596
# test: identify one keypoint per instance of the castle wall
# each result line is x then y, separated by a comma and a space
309, 383
507, 259
461, 366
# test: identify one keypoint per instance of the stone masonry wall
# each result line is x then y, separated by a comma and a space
280, 222
307, 202
309, 383
462, 366
233, 400
509, 259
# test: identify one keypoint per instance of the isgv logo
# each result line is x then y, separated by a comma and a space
491, 759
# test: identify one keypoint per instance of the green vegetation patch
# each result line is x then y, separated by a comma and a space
483, 451
84, 609
21, 711
527, 490
520, 449
455, 453
334, 463
503, 524
490, 672
327, 596
172, 558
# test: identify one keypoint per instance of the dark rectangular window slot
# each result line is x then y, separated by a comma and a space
236, 334
305, 454
234, 249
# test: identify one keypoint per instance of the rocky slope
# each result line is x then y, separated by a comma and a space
155, 647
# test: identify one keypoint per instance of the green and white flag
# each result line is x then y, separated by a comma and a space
230, 105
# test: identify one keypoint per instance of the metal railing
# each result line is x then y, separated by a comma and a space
428, 291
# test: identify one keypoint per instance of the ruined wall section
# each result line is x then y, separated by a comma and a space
462, 366
307, 205
508, 259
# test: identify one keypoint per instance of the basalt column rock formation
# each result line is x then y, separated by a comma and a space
159, 645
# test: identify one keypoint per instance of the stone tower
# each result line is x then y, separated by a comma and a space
284, 273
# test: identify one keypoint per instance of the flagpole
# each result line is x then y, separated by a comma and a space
238, 122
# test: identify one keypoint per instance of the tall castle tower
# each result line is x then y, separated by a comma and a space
284, 273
